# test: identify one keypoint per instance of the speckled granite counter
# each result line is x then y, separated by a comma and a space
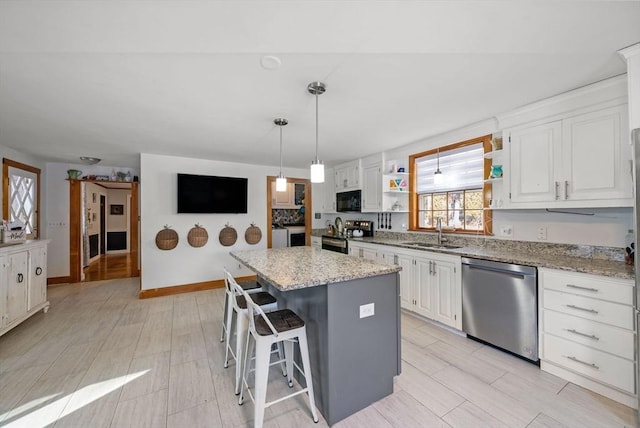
524, 256
301, 267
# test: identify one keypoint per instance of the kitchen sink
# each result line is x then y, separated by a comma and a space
428, 245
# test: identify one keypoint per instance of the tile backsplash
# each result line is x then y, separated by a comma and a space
285, 217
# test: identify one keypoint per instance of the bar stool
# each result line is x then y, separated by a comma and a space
238, 304
250, 286
282, 326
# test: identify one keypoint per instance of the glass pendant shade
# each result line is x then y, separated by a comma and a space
438, 177
317, 172
281, 184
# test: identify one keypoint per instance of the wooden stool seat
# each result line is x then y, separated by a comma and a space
282, 320
261, 298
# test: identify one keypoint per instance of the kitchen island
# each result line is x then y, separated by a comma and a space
351, 308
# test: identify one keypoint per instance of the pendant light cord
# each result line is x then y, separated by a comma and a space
317, 128
437, 157
280, 151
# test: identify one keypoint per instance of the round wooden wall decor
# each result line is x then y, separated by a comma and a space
197, 236
228, 236
167, 238
253, 235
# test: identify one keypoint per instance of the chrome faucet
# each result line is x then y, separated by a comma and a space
441, 239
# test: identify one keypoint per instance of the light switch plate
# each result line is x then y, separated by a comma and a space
367, 310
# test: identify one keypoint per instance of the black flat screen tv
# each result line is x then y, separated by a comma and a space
198, 194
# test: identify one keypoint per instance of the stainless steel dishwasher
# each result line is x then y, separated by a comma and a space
500, 305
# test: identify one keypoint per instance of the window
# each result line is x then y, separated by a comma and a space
459, 200
21, 185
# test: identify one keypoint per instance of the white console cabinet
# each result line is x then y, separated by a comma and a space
23, 282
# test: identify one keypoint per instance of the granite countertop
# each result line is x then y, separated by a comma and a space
527, 257
302, 267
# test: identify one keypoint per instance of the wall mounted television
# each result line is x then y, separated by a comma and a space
198, 194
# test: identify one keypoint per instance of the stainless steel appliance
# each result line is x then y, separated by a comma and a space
349, 201
635, 140
500, 305
340, 243
296, 236
335, 243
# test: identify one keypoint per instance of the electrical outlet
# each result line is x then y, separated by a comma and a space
506, 230
542, 233
404, 226
367, 310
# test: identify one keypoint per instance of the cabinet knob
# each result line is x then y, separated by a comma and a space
38, 271
20, 278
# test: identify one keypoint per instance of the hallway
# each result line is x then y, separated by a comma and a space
111, 266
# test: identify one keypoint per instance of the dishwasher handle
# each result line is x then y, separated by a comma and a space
516, 275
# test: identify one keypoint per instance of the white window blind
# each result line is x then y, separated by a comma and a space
462, 168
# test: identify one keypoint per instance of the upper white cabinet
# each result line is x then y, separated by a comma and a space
578, 161
372, 188
285, 200
329, 192
348, 176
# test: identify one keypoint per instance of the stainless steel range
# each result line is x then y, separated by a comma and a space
352, 228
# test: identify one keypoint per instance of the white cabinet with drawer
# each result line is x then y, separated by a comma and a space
587, 332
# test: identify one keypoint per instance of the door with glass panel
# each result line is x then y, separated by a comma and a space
20, 185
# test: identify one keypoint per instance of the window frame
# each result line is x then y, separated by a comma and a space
487, 188
6, 163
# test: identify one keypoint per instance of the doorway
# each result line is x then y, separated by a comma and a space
120, 264
297, 200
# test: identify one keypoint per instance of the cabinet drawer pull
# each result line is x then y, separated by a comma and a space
595, 290
20, 278
566, 189
593, 311
38, 271
430, 267
557, 190
589, 336
583, 362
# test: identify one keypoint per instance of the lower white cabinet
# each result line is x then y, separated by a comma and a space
587, 332
430, 282
23, 282
316, 241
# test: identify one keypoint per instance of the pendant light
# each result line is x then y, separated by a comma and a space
317, 168
438, 177
281, 181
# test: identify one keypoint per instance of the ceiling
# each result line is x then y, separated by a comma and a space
113, 79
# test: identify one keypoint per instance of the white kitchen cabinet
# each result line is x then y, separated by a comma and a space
329, 192
37, 277
17, 290
578, 161
348, 176
372, 188
587, 332
23, 282
430, 283
316, 242
287, 199
437, 287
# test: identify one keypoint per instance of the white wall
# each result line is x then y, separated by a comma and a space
56, 188
117, 223
158, 205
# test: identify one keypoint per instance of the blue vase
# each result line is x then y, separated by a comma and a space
496, 171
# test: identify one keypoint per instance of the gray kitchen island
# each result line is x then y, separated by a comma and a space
351, 308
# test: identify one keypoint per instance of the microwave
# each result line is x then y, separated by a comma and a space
349, 201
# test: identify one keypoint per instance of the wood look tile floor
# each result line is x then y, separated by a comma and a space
103, 358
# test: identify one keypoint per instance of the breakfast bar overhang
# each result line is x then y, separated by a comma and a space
351, 308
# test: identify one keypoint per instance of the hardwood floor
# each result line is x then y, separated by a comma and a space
103, 358
111, 266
